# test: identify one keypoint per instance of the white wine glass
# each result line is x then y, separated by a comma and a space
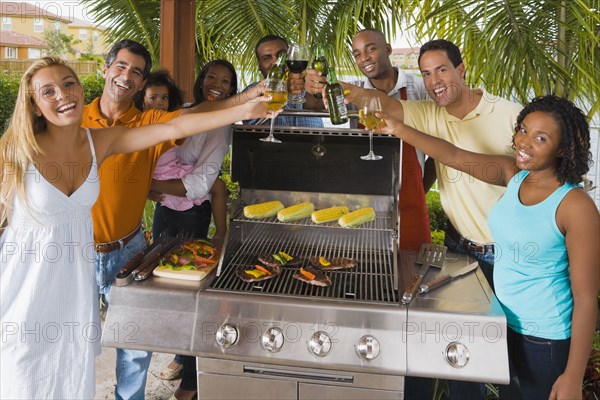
278, 91
297, 61
370, 105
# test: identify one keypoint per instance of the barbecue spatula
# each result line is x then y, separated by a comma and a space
430, 255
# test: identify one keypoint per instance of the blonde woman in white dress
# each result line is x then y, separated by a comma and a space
49, 322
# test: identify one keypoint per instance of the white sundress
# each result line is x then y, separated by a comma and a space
50, 325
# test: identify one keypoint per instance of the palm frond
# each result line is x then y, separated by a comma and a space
138, 20
521, 48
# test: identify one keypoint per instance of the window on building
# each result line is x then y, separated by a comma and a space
38, 25
83, 34
11, 53
33, 53
95, 35
6, 23
57, 26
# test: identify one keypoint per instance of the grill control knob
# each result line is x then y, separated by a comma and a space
368, 347
272, 340
320, 344
226, 336
457, 354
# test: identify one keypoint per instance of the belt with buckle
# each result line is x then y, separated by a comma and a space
468, 244
117, 244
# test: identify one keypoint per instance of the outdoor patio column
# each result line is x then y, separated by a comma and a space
177, 42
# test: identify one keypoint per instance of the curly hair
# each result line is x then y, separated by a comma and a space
198, 96
576, 157
161, 78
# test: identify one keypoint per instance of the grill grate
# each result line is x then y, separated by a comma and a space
370, 281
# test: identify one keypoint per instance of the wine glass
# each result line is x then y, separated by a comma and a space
277, 90
297, 61
370, 105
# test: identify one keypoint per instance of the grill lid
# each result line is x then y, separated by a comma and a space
315, 160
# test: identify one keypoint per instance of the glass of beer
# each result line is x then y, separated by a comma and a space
278, 91
370, 105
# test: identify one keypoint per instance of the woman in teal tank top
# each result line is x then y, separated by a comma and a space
547, 233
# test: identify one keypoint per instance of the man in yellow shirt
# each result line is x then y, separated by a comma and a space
471, 119
124, 184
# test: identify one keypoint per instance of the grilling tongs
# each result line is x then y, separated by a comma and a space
429, 255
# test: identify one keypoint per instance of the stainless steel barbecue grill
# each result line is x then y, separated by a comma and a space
353, 339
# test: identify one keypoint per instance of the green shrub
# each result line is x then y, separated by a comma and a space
92, 86
233, 188
437, 237
9, 87
437, 217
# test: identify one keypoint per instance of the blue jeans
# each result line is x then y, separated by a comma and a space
536, 363
194, 221
132, 365
460, 390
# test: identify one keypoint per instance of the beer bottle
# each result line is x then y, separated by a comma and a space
320, 64
335, 98
277, 71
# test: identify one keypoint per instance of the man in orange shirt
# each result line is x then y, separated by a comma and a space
124, 184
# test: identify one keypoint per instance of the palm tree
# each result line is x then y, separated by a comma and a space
521, 48
231, 28
516, 48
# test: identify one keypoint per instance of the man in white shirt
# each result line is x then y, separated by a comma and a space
372, 56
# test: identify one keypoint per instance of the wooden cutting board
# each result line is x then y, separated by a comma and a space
187, 275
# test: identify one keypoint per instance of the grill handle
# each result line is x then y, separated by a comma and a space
298, 375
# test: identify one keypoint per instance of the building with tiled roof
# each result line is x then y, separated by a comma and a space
32, 20
93, 40
405, 58
20, 46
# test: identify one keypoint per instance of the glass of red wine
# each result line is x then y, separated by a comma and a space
297, 61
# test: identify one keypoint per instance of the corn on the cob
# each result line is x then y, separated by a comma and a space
297, 211
263, 210
328, 214
357, 217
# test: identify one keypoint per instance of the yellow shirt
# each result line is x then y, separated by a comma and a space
124, 178
487, 129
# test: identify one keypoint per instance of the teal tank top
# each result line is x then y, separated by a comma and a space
531, 266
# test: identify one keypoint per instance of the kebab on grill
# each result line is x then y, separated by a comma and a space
313, 277
258, 273
279, 259
332, 264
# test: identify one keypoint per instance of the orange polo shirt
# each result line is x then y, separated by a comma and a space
124, 178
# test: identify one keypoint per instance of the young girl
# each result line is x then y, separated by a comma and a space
48, 170
547, 233
198, 163
160, 92
185, 175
